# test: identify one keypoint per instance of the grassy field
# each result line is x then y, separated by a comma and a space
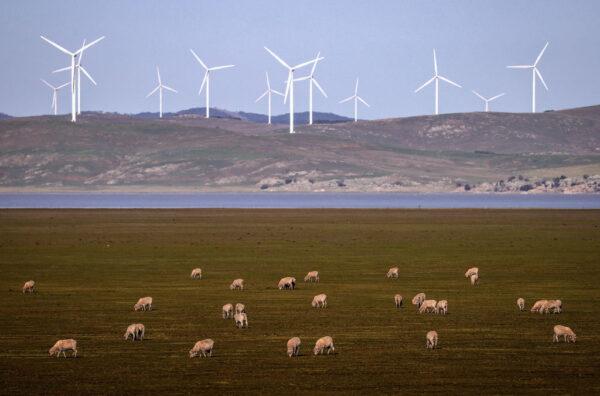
91, 266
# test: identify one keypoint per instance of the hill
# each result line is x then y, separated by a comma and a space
184, 151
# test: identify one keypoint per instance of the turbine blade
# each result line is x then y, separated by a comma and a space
307, 63
221, 67
62, 86
301, 78
198, 59
203, 82
520, 67
268, 82
158, 74
278, 58
153, 91
347, 99
87, 75
435, 68
169, 88
361, 99
541, 78
540, 55
47, 83
80, 50
496, 97
261, 96
356, 87
276, 92
53, 100
81, 54
449, 82
319, 86
287, 86
57, 46
424, 85
312, 71
481, 97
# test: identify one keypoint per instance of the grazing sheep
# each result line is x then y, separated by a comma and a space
237, 284
428, 306
442, 307
554, 306
322, 344
432, 339
203, 348
241, 320
521, 303
472, 271
64, 345
538, 305
392, 272
293, 346
566, 332
196, 273
136, 331
312, 276
29, 287
418, 299
319, 301
474, 279
227, 311
240, 308
287, 283
398, 300
144, 303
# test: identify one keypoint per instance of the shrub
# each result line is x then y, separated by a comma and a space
467, 187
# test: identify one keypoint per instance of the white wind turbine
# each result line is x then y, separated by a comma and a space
289, 87
160, 88
54, 105
436, 77
356, 99
312, 81
74, 84
488, 100
268, 93
535, 72
206, 80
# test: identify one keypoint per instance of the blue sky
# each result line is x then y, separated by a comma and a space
388, 44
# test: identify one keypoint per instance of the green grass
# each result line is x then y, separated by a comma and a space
92, 266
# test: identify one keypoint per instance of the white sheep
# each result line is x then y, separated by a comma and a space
472, 271
204, 348
442, 307
241, 320
64, 345
227, 311
432, 339
240, 308
392, 272
428, 306
293, 346
538, 305
398, 300
322, 344
564, 331
287, 283
418, 299
144, 303
29, 287
136, 331
319, 301
312, 276
196, 273
237, 284
554, 306
474, 279
521, 303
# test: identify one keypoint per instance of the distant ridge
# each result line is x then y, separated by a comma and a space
4, 116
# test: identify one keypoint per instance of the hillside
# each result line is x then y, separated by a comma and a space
188, 152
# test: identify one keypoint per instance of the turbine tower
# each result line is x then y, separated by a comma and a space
54, 105
487, 101
356, 100
268, 93
74, 84
206, 80
160, 88
312, 81
534, 72
289, 87
436, 77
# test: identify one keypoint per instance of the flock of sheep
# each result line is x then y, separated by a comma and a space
136, 331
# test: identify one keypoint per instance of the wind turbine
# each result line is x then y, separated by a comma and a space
436, 77
73, 56
534, 72
206, 80
312, 81
268, 93
160, 88
487, 101
79, 69
54, 105
356, 99
289, 87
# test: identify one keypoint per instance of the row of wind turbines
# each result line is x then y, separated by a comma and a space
76, 69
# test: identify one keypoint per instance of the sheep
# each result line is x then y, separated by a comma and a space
312, 276
428, 306
144, 303
442, 307
240, 308
322, 344
227, 311
237, 284
319, 301
472, 271
474, 279
551, 305
566, 332
196, 273
398, 300
392, 273
418, 300
64, 345
241, 320
521, 303
204, 348
29, 287
432, 339
538, 305
136, 331
289, 282
293, 346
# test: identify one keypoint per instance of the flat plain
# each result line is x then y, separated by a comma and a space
91, 266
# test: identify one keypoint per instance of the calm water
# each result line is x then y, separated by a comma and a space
298, 200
